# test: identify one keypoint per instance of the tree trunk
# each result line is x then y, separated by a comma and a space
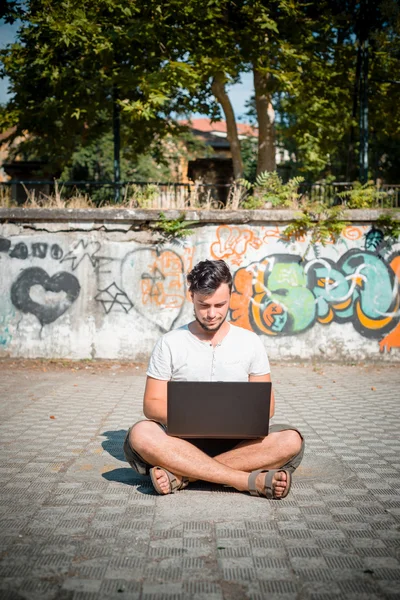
218, 89
266, 124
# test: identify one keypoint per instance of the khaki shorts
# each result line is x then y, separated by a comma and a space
211, 447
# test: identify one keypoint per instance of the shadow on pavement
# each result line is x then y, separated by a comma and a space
129, 477
114, 443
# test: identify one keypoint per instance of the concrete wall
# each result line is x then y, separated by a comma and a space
97, 284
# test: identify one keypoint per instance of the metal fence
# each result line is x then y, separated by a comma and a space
144, 194
139, 194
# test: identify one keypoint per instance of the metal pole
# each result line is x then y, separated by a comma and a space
364, 137
117, 145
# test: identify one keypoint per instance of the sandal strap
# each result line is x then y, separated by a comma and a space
173, 482
268, 490
252, 482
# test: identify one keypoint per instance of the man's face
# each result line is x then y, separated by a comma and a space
211, 311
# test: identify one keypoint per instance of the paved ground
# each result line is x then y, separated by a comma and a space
76, 523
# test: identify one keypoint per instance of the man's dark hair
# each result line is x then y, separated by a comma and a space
206, 277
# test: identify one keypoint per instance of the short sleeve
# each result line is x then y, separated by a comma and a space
160, 361
259, 364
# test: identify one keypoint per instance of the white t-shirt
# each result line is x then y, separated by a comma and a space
181, 356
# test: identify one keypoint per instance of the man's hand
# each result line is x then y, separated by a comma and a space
155, 400
266, 378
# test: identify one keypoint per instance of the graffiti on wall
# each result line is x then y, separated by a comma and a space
155, 279
113, 297
274, 293
283, 295
86, 250
233, 242
23, 251
45, 297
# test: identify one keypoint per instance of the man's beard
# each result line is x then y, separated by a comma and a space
212, 329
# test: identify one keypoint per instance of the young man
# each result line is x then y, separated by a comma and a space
210, 349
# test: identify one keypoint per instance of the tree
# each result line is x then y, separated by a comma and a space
76, 61
267, 38
69, 60
320, 123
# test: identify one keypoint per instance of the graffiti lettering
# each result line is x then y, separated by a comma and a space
232, 243
112, 297
39, 250
4, 244
20, 251
55, 294
283, 295
56, 252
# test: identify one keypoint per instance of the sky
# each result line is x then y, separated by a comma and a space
238, 93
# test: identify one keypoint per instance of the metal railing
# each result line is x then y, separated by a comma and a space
141, 194
144, 194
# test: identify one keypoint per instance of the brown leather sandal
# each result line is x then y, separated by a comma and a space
268, 490
174, 486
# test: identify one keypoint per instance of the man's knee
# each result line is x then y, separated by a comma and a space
292, 441
141, 434
145, 435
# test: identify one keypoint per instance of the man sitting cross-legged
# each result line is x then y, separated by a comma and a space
210, 349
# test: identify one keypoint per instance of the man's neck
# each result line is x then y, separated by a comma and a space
214, 337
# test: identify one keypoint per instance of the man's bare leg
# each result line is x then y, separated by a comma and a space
231, 468
270, 452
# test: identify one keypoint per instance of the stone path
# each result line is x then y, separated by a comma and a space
77, 523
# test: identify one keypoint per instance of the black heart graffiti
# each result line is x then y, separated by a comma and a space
60, 282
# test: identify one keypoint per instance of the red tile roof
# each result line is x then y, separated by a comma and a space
205, 124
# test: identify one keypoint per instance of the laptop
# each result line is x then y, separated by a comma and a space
218, 409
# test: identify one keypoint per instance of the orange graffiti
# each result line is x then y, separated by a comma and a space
240, 298
187, 258
162, 283
392, 340
352, 233
274, 233
232, 243
328, 318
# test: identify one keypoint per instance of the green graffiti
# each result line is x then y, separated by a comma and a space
284, 295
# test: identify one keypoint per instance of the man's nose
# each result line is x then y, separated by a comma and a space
211, 312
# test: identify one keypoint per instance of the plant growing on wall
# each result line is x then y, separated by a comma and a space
321, 223
384, 233
361, 195
173, 228
269, 188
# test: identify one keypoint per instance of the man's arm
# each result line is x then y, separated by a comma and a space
155, 400
265, 378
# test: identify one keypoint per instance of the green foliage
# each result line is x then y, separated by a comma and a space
318, 121
322, 224
71, 59
252, 203
269, 188
248, 148
389, 227
144, 196
173, 228
158, 59
363, 196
